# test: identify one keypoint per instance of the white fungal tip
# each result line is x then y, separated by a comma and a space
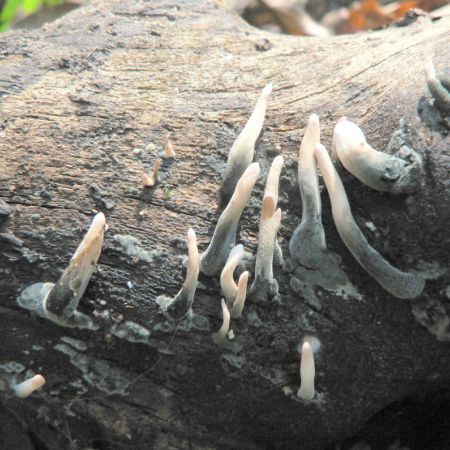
267, 90
313, 341
278, 161
347, 134
27, 387
191, 234
307, 373
430, 71
99, 220
313, 119
238, 249
253, 170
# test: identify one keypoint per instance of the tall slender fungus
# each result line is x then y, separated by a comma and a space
264, 285
215, 256
181, 304
308, 240
220, 338
241, 153
27, 387
227, 283
377, 170
307, 373
58, 302
400, 284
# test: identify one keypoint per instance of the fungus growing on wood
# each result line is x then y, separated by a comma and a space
307, 373
439, 88
181, 304
58, 302
377, 170
400, 284
220, 338
227, 283
271, 189
308, 240
152, 180
241, 153
215, 256
241, 294
169, 152
264, 285
27, 387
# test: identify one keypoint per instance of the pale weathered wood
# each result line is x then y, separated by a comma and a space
85, 106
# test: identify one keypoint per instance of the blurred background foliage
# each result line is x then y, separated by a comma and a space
297, 17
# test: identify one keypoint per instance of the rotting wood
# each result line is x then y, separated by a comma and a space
85, 105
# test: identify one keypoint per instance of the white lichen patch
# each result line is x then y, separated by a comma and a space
75, 343
131, 331
96, 372
235, 360
432, 315
132, 246
12, 367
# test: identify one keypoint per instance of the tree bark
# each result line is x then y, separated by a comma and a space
85, 105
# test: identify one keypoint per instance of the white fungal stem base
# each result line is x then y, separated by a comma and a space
227, 283
27, 387
215, 256
239, 302
307, 373
399, 284
220, 338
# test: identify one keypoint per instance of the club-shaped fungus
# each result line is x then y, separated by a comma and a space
27, 387
378, 170
58, 302
181, 304
307, 373
400, 284
215, 256
169, 152
227, 283
241, 294
220, 338
152, 180
241, 153
264, 285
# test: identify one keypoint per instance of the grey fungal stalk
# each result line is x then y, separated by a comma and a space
215, 256
241, 153
178, 307
220, 338
307, 373
227, 283
264, 285
378, 170
58, 302
400, 284
308, 241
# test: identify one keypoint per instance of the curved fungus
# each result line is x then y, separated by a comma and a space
58, 302
439, 88
241, 153
227, 283
400, 284
241, 294
181, 304
378, 170
152, 180
215, 256
220, 338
